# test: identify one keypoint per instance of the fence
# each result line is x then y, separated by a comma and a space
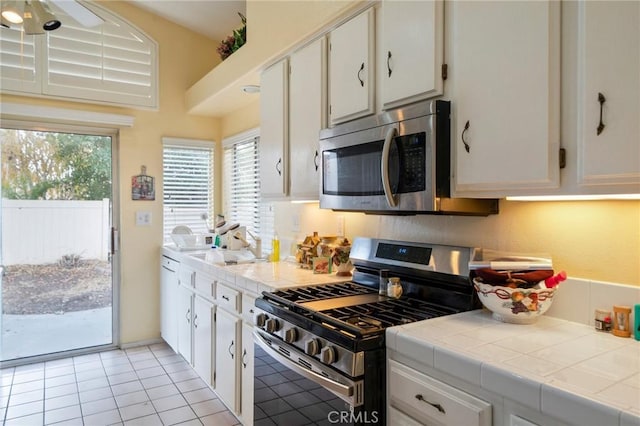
42, 231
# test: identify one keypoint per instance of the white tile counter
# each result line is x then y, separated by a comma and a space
259, 276
560, 368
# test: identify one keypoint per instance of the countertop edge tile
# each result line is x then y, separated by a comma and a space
511, 385
457, 364
629, 418
577, 409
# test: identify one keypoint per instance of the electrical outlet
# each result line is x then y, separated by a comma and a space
340, 226
143, 218
295, 223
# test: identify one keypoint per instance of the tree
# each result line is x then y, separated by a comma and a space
48, 166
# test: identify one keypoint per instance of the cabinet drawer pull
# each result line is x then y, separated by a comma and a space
438, 407
244, 355
195, 321
279, 166
230, 346
187, 315
360, 78
602, 100
389, 63
226, 298
315, 160
466, 145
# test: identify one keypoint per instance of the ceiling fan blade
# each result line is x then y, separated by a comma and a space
79, 12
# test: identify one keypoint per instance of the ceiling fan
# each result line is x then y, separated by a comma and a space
36, 16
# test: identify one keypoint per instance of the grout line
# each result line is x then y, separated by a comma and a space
154, 357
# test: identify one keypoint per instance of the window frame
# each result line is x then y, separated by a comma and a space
257, 227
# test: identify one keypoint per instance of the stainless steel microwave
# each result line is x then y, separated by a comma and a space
398, 162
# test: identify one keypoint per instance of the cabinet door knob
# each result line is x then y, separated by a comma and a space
437, 406
466, 145
358, 75
230, 346
279, 166
602, 100
315, 160
389, 63
195, 321
244, 355
187, 315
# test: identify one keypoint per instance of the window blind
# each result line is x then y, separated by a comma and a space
242, 184
187, 186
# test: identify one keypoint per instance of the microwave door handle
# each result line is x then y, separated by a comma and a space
384, 168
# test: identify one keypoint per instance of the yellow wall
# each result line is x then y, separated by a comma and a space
184, 58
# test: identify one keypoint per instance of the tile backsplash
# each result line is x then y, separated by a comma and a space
577, 299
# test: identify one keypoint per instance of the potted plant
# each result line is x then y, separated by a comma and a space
234, 41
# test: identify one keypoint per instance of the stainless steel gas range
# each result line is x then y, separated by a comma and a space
326, 343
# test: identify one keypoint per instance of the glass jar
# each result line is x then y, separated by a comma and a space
394, 288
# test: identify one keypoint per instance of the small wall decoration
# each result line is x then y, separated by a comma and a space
142, 186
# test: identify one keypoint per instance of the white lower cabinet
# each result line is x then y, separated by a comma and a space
228, 358
247, 364
185, 311
203, 339
416, 398
168, 294
213, 325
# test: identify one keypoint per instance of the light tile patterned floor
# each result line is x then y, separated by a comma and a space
146, 385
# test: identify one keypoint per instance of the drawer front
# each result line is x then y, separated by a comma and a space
170, 264
206, 285
432, 401
228, 298
248, 307
185, 275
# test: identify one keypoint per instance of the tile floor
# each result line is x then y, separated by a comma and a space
146, 385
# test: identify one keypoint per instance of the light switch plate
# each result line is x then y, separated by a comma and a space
143, 218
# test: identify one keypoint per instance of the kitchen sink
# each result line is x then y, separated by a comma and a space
222, 257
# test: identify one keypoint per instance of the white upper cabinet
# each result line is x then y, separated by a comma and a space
410, 60
307, 115
274, 180
504, 76
351, 68
609, 95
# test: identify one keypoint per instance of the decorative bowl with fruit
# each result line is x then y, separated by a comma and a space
518, 297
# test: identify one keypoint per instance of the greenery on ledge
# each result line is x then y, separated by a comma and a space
234, 41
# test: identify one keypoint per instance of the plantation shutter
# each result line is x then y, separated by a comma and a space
188, 184
18, 68
112, 63
242, 183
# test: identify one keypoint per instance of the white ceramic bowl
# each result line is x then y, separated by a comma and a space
514, 305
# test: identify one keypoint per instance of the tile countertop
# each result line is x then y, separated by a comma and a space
259, 276
563, 369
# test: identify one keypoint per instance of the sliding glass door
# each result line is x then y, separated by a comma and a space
57, 204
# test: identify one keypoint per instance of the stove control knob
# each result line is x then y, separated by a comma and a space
272, 325
291, 335
328, 355
312, 347
260, 319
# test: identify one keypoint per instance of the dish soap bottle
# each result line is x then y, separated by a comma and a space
275, 248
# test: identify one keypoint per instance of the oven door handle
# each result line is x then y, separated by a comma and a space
384, 168
343, 391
